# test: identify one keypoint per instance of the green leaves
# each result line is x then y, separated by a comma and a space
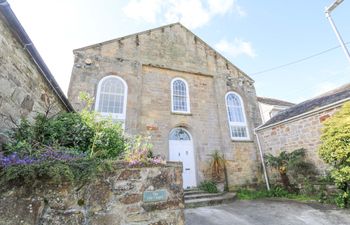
208, 186
67, 146
335, 150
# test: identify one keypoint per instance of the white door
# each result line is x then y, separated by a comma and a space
181, 149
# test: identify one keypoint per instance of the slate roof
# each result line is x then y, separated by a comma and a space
272, 101
325, 99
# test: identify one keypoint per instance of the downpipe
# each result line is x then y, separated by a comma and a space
262, 161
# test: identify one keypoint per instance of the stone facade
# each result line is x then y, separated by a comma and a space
23, 90
113, 198
303, 132
148, 61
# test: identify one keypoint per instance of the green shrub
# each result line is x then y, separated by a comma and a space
335, 150
290, 163
208, 186
65, 147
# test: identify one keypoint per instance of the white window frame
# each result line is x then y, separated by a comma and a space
187, 96
117, 116
230, 124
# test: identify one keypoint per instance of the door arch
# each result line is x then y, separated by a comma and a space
181, 150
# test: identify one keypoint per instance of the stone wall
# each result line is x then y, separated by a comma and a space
23, 89
148, 61
304, 133
148, 195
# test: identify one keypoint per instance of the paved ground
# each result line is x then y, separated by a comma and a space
267, 212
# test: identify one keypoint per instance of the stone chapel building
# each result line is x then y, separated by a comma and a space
169, 83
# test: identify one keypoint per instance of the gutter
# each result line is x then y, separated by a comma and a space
28, 45
262, 161
300, 116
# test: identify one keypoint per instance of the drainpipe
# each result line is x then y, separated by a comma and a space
262, 161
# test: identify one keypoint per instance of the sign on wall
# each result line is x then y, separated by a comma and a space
155, 196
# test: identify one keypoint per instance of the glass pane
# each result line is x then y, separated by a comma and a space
179, 134
239, 131
179, 96
111, 96
234, 107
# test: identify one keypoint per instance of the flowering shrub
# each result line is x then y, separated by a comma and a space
45, 155
67, 146
139, 152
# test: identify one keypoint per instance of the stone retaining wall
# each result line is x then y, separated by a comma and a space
148, 195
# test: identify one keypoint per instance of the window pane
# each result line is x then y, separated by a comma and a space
179, 96
111, 99
179, 134
239, 131
235, 111
237, 123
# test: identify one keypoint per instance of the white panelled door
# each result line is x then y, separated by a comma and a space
181, 149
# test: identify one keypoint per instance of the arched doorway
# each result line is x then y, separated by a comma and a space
181, 149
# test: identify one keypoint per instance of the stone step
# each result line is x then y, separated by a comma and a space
194, 192
201, 202
191, 189
202, 195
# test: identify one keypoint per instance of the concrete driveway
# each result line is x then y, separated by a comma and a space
267, 212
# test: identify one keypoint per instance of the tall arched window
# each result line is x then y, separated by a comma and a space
111, 97
236, 117
180, 101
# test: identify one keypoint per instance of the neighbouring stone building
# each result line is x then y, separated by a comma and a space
170, 84
300, 126
270, 107
26, 84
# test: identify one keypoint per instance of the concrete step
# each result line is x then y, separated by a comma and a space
202, 195
208, 201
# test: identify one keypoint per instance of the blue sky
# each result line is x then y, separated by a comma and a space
253, 35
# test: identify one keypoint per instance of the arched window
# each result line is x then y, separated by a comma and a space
236, 117
111, 97
180, 101
178, 134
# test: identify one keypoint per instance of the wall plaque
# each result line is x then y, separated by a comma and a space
155, 196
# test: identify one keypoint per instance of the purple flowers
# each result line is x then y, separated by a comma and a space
14, 159
45, 155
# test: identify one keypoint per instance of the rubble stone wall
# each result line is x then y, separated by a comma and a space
146, 195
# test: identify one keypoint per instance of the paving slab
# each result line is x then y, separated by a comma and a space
268, 212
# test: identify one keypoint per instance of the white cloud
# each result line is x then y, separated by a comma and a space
192, 13
236, 48
144, 10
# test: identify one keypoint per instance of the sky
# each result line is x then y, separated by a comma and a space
254, 35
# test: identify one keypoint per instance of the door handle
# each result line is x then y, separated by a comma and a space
187, 169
